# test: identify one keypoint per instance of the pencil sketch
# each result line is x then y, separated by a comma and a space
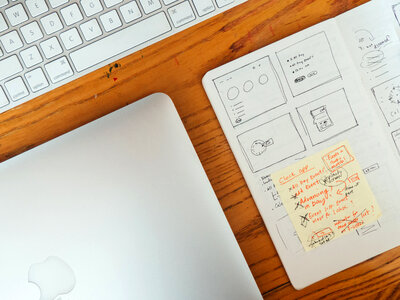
396, 11
327, 117
288, 235
396, 139
369, 228
250, 91
259, 147
371, 168
271, 142
271, 193
308, 64
387, 95
321, 118
372, 52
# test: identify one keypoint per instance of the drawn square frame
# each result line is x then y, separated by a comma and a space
335, 135
377, 101
321, 84
276, 162
278, 80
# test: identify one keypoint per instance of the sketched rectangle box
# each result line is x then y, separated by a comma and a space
396, 139
336, 117
250, 91
387, 95
308, 64
271, 142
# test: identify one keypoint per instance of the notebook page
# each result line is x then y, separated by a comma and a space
370, 35
287, 101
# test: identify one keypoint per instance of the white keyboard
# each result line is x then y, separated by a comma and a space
47, 43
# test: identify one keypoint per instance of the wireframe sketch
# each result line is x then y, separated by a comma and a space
387, 94
308, 64
396, 11
250, 90
369, 228
288, 235
396, 139
271, 142
372, 51
321, 118
327, 117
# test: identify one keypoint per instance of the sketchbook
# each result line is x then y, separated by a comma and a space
338, 80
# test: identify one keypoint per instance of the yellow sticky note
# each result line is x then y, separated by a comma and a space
326, 195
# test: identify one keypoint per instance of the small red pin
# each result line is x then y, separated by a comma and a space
115, 79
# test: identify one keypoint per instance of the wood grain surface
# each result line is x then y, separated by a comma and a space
176, 66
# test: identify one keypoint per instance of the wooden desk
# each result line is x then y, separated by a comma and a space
176, 66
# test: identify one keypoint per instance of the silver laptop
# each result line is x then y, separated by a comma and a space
118, 209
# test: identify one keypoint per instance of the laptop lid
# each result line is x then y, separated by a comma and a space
117, 209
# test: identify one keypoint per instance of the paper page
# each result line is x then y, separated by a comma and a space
326, 195
370, 34
290, 100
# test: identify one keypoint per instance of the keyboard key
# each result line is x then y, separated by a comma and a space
120, 41
51, 23
9, 67
91, 29
181, 14
31, 32
71, 14
51, 47
110, 20
59, 70
57, 3
110, 3
36, 80
16, 88
3, 98
3, 24
222, 3
16, 14
3, 3
150, 5
36, 7
168, 2
203, 7
91, 7
71, 38
130, 11
11, 41
31, 56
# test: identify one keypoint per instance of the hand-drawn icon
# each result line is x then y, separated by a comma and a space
369, 228
233, 93
248, 86
251, 90
320, 125
396, 139
371, 168
387, 95
322, 237
259, 147
304, 220
308, 64
321, 118
288, 234
271, 142
373, 52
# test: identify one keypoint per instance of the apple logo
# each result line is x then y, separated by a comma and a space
53, 277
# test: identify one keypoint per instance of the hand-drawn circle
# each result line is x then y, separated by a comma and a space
248, 86
258, 147
372, 59
263, 79
233, 93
